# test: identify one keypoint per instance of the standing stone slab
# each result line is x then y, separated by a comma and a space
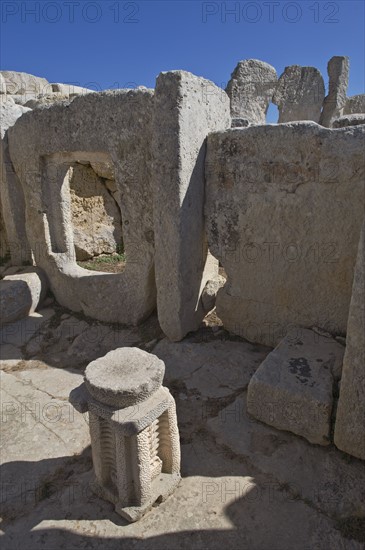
187, 108
105, 127
292, 389
250, 89
338, 71
299, 94
284, 208
354, 104
11, 192
350, 420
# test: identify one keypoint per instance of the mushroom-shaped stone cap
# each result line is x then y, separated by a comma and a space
124, 377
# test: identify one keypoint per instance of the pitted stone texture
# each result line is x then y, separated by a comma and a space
338, 71
102, 127
292, 389
250, 89
299, 94
124, 377
96, 217
43, 101
187, 108
10, 112
350, 419
21, 294
240, 123
304, 184
104, 170
349, 120
354, 104
12, 198
24, 83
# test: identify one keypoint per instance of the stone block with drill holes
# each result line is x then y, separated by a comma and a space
133, 429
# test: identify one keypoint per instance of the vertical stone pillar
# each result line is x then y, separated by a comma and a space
133, 429
350, 419
187, 109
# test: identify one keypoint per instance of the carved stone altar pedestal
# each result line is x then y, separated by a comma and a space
133, 429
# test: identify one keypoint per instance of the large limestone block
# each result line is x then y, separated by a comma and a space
284, 208
250, 90
21, 294
24, 83
96, 217
105, 127
187, 108
12, 198
299, 94
292, 389
354, 104
338, 71
350, 420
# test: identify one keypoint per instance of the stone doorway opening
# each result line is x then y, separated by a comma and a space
96, 216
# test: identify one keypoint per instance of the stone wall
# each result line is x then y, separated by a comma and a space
93, 128
284, 207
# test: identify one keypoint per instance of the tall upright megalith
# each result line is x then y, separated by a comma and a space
187, 109
250, 90
299, 94
350, 420
338, 71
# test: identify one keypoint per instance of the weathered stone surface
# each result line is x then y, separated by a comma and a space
187, 108
96, 217
104, 170
209, 294
46, 100
124, 377
349, 120
21, 294
20, 332
24, 83
86, 132
10, 112
70, 89
293, 388
2, 84
23, 99
288, 268
299, 94
350, 419
250, 89
39, 435
316, 474
240, 123
211, 370
12, 198
338, 71
354, 104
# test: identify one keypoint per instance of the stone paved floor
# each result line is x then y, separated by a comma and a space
245, 485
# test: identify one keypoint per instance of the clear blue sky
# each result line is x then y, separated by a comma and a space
115, 43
